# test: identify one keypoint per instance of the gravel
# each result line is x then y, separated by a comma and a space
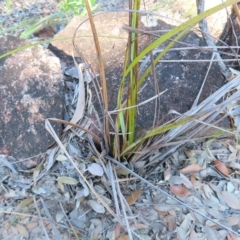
16, 16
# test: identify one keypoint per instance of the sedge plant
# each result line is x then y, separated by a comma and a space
126, 143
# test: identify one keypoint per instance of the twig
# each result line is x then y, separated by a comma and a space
190, 46
69, 222
138, 105
51, 222
40, 217
116, 185
200, 91
102, 74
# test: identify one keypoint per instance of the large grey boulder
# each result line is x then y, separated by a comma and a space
31, 90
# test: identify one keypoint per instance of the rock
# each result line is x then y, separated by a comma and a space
231, 37
32, 89
106, 5
113, 48
182, 78
45, 33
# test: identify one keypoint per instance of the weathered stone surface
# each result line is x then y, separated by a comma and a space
112, 39
231, 37
181, 79
31, 89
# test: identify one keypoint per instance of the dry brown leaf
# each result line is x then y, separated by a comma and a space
170, 225
179, 190
6, 225
22, 230
233, 220
231, 200
47, 224
139, 226
131, 199
14, 229
189, 153
191, 168
124, 237
230, 236
161, 212
193, 235
117, 230
193, 181
30, 226
221, 167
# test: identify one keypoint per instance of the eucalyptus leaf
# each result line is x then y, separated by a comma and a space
67, 180
97, 207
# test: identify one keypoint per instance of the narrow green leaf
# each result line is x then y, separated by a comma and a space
159, 130
50, 20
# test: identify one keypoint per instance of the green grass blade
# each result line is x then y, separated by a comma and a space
159, 130
51, 20
132, 87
